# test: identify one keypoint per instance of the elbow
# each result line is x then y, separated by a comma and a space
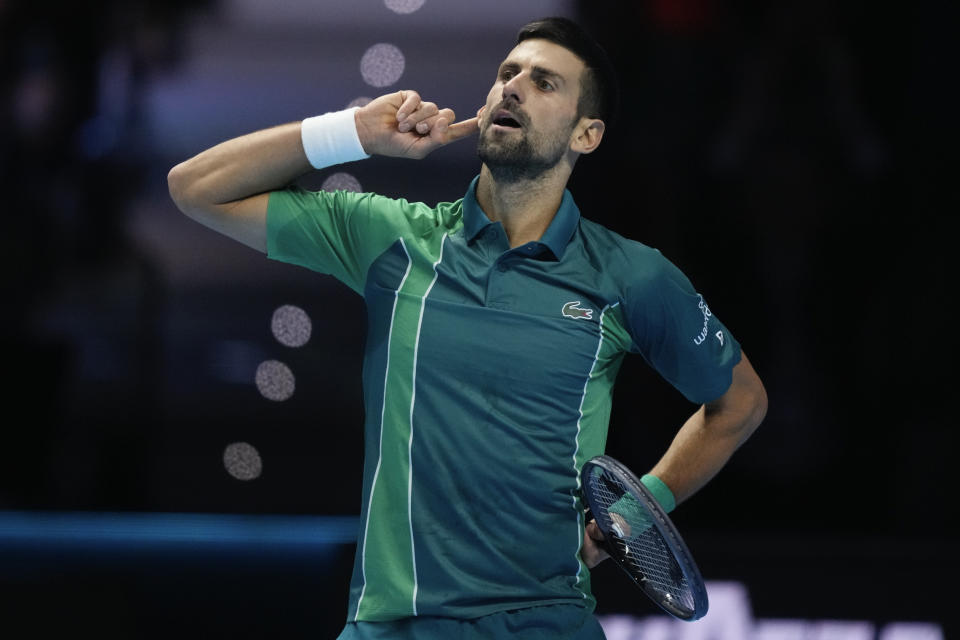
751, 403
740, 411
182, 185
760, 403
748, 398
177, 185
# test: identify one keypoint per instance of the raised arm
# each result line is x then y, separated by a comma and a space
227, 186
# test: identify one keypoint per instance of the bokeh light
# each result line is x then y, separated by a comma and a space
403, 6
275, 380
341, 181
242, 461
291, 325
359, 101
382, 65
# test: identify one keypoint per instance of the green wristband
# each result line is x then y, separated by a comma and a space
660, 491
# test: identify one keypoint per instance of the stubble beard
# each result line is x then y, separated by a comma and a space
520, 157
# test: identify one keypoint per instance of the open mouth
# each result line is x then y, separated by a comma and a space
504, 119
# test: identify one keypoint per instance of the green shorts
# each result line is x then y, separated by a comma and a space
551, 622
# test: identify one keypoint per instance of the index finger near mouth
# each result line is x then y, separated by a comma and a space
462, 129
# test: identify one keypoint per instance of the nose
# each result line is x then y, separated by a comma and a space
513, 88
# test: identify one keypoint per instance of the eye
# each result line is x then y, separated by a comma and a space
506, 74
545, 85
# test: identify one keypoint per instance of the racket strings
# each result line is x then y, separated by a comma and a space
629, 526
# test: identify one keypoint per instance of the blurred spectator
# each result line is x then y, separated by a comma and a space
799, 85
69, 164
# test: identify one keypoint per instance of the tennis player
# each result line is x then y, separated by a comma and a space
496, 325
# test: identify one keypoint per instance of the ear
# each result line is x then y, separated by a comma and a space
587, 135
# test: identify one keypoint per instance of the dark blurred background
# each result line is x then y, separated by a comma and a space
792, 158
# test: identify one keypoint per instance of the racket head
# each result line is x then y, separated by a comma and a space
642, 540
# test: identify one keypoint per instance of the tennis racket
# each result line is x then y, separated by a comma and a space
641, 539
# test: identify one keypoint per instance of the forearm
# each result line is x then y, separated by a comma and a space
697, 453
239, 168
708, 439
227, 187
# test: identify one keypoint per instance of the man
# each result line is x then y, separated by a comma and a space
496, 326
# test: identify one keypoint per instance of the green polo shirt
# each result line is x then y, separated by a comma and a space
488, 380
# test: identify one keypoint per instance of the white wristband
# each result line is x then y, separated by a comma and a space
331, 139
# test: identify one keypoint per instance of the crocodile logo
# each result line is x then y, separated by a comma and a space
572, 310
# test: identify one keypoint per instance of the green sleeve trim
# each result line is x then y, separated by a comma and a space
660, 491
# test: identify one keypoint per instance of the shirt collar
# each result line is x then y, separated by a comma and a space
555, 238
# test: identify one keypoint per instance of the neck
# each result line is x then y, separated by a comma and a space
524, 207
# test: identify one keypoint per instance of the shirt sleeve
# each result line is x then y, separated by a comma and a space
340, 233
674, 329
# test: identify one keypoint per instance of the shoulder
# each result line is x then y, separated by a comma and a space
630, 262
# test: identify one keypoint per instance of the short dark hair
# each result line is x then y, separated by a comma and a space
598, 85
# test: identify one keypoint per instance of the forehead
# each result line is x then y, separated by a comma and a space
537, 52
